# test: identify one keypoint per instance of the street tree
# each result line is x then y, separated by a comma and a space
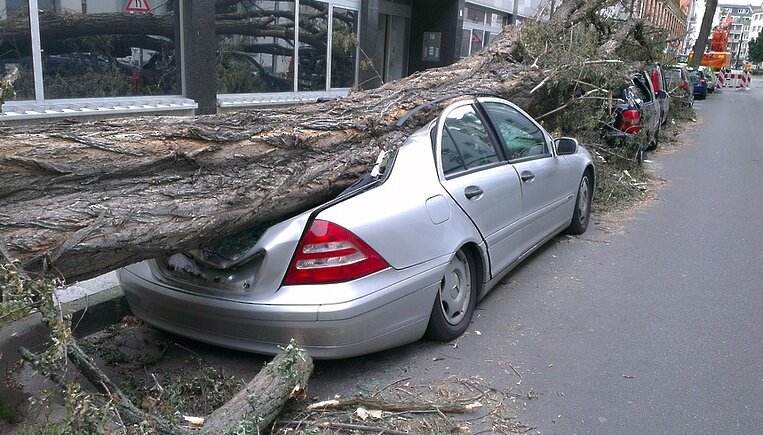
755, 48
704, 32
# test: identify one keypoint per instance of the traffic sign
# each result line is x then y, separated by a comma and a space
139, 6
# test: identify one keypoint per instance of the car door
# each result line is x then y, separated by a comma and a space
477, 176
650, 108
547, 181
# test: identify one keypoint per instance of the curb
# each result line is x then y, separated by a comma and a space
92, 312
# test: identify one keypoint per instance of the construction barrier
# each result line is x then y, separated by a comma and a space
735, 79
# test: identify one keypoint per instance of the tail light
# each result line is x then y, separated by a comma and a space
684, 85
630, 122
702, 80
329, 253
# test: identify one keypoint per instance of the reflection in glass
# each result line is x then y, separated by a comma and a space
16, 49
93, 49
313, 44
344, 43
477, 41
256, 47
465, 38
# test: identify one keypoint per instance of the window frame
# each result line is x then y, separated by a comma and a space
439, 128
497, 141
550, 150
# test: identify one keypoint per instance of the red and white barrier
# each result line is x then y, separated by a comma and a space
736, 79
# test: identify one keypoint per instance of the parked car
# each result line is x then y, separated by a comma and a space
709, 73
659, 86
636, 109
699, 82
677, 78
408, 251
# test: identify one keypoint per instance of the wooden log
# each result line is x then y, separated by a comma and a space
260, 402
94, 196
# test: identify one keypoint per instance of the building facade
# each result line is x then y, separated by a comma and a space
91, 57
739, 32
671, 15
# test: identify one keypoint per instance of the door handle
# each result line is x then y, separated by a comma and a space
527, 176
472, 192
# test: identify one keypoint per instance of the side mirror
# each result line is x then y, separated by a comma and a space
565, 146
661, 94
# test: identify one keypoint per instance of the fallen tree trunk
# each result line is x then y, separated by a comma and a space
90, 197
94, 196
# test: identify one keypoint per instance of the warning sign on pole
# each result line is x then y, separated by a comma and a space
139, 6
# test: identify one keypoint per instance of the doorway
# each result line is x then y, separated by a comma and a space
395, 47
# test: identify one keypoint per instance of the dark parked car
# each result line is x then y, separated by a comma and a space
678, 80
699, 82
637, 109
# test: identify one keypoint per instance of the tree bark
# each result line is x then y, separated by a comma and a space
261, 400
98, 195
94, 196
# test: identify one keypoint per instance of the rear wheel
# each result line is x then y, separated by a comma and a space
454, 306
640, 156
582, 213
654, 142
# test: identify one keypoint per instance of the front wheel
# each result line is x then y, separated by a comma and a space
454, 305
582, 213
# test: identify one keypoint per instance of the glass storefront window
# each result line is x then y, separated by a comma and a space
344, 43
313, 45
466, 36
477, 40
16, 48
92, 49
475, 16
256, 47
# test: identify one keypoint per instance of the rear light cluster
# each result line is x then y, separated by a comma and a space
684, 85
329, 253
630, 122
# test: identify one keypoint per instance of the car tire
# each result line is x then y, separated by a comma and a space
640, 156
582, 213
652, 145
454, 305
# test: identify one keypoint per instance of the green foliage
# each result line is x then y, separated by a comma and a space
579, 97
755, 48
6, 413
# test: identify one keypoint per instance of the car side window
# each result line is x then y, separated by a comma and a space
521, 137
465, 142
646, 94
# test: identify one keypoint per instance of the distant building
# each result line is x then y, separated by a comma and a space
739, 34
756, 23
671, 15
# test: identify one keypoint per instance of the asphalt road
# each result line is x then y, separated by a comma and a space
652, 326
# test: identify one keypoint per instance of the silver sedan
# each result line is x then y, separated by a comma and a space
405, 253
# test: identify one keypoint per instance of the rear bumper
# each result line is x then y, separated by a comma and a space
392, 316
